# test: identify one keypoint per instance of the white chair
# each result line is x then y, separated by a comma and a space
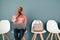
52, 27
4, 28
39, 26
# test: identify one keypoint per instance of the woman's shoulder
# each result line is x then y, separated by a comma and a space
24, 15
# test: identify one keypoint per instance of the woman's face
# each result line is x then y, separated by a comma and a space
19, 9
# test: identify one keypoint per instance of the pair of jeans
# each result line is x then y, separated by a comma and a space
19, 33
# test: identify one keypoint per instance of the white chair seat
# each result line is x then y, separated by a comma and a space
56, 31
52, 26
39, 32
40, 27
4, 26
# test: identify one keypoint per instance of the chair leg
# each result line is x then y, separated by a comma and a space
41, 36
23, 38
58, 36
34, 36
52, 36
55, 36
3, 36
48, 36
7, 36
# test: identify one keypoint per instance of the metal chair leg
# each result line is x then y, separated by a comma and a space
48, 36
34, 36
41, 36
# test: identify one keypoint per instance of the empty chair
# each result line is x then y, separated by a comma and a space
52, 27
37, 28
4, 28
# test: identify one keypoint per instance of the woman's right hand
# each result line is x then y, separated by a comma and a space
14, 20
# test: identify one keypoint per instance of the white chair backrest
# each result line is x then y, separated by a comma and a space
52, 26
37, 25
4, 26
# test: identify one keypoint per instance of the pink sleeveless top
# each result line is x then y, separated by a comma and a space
20, 20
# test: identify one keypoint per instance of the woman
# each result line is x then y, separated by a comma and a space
20, 21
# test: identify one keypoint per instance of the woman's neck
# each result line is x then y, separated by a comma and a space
19, 13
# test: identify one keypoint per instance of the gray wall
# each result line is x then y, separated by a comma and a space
34, 9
